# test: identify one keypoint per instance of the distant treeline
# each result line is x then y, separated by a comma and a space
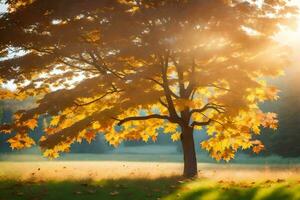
285, 141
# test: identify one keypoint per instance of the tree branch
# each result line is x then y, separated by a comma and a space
182, 90
162, 85
195, 123
103, 65
171, 107
114, 90
207, 122
190, 89
138, 118
77, 67
218, 108
221, 88
163, 103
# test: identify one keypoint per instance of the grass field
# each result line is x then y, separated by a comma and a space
89, 180
150, 157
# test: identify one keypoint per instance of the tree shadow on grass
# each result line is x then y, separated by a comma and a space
139, 189
119, 189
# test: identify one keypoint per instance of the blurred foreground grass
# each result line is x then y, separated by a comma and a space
162, 188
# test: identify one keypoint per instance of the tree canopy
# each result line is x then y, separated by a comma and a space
126, 68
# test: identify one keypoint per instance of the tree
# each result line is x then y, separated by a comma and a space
127, 68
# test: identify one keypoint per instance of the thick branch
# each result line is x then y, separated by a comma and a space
167, 90
218, 108
190, 89
139, 118
182, 90
195, 123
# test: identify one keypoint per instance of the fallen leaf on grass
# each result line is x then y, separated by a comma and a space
224, 188
114, 193
77, 192
280, 180
245, 186
269, 181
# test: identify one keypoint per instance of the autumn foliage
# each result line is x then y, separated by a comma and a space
126, 69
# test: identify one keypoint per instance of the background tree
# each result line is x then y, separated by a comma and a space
128, 68
286, 140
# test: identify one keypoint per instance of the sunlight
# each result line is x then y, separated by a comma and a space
297, 2
166, 100
288, 36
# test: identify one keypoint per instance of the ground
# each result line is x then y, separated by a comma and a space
88, 180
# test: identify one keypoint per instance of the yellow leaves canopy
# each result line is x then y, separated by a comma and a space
20, 141
129, 70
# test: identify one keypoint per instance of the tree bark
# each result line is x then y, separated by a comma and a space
189, 154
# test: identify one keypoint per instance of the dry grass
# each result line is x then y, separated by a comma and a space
91, 180
98, 170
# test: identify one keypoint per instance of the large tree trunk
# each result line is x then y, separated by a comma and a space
189, 154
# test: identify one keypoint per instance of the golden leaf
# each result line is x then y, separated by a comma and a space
32, 123
55, 120
175, 136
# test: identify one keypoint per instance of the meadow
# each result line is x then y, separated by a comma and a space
112, 179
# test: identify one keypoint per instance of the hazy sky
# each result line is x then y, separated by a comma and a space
3, 8
290, 38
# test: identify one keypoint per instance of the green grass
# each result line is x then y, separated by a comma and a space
68, 180
140, 189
